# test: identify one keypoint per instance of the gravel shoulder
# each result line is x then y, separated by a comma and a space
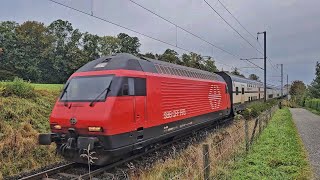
308, 125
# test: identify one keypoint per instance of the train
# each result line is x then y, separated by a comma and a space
121, 104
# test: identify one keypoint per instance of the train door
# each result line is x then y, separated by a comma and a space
139, 87
259, 93
242, 94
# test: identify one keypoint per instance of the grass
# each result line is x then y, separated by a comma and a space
21, 120
277, 154
49, 87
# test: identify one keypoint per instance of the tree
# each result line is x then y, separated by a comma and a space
297, 88
298, 91
254, 77
128, 44
150, 55
170, 56
109, 45
32, 45
186, 60
210, 66
314, 88
236, 72
8, 42
65, 55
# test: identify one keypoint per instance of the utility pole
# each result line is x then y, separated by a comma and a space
287, 86
281, 80
265, 64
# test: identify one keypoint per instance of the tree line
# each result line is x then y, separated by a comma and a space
301, 93
50, 54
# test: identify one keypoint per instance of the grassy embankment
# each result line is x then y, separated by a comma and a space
277, 154
24, 112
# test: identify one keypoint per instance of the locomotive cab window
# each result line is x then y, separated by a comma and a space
132, 86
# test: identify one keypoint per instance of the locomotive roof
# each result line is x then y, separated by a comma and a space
131, 62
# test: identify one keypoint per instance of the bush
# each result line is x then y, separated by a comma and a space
256, 108
313, 104
18, 87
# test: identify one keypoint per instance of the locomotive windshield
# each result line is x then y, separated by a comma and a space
87, 88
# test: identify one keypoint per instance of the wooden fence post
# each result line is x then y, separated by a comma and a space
259, 119
206, 163
246, 130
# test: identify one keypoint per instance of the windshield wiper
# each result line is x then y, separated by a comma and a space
95, 99
66, 93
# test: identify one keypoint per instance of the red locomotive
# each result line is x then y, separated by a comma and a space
121, 104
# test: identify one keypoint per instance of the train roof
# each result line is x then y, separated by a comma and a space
131, 62
242, 79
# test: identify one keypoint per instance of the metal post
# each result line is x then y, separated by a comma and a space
281, 80
246, 129
206, 163
287, 87
265, 66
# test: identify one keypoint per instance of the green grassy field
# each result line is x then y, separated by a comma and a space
54, 87
277, 154
49, 87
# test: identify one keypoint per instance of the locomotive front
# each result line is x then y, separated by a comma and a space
91, 112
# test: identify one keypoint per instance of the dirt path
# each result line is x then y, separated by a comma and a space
308, 125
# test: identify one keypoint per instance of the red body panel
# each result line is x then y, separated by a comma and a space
169, 98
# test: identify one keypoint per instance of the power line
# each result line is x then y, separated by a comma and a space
121, 26
137, 32
252, 63
188, 31
233, 28
236, 19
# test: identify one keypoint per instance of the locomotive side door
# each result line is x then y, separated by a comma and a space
139, 88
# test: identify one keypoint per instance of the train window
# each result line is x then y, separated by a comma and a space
131, 86
133, 64
242, 91
140, 87
125, 90
237, 90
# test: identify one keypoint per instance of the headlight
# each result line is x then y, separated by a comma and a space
95, 129
57, 126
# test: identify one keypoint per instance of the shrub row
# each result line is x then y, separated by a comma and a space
313, 104
17, 87
256, 108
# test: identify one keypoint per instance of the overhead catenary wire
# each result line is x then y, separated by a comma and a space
137, 32
188, 31
129, 29
184, 29
237, 20
232, 27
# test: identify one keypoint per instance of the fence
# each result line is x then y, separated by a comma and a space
224, 147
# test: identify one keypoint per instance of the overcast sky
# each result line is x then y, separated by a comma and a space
292, 28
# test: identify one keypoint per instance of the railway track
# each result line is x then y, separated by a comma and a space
75, 171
